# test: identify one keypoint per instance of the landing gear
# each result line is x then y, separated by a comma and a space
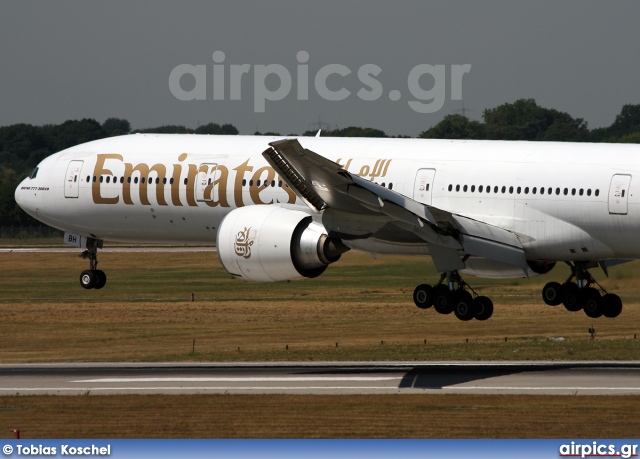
454, 295
92, 277
582, 294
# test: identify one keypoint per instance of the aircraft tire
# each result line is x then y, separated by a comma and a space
464, 307
571, 297
423, 296
101, 279
592, 302
612, 305
484, 308
443, 300
87, 279
553, 293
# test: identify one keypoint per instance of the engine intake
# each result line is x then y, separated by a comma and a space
275, 243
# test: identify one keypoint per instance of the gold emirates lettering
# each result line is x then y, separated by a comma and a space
214, 193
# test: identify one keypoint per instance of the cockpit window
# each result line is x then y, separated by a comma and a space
33, 173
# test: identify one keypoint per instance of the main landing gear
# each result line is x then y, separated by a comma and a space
582, 294
453, 296
92, 277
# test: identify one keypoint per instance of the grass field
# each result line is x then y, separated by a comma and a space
360, 309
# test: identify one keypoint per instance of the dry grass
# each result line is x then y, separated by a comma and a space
321, 416
145, 314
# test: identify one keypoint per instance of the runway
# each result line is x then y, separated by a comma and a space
562, 378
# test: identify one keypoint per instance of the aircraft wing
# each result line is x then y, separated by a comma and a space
323, 184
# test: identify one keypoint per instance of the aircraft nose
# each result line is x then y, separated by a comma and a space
24, 198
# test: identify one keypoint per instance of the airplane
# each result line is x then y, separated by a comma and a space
284, 208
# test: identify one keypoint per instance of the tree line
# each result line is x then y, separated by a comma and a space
23, 146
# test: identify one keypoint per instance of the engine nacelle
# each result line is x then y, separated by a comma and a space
275, 243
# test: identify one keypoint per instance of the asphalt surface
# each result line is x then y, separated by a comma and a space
565, 378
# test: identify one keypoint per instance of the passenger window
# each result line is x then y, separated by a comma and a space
88, 178
108, 179
457, 187
244, 182
186, 181
519, 190
566, 191
142, 179
280, 183
597, 193
480, 188
390, 186
510, 190
450, 187
171, 181
581, 192
573, 191
273, 183
473, 188
558, 191
589, 192
135, 180
122, 179
250, 182
128, 179
101, 179
464, 188
495, 189
504, 189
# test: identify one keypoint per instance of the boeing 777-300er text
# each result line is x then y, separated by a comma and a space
278, 209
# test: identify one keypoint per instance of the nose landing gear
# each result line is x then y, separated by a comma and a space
92, 277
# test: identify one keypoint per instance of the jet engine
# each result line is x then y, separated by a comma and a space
275, 243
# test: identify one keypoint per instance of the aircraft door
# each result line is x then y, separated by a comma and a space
619, 194
205, 181
423, 187
72, 179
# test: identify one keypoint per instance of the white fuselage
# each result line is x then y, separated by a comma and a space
565, 201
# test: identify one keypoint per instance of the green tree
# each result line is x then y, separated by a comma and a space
455, 127
216, 129
524, 119
116, 126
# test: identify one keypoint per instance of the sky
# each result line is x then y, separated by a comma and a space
397, 66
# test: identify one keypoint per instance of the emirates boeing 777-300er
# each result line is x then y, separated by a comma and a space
279, 209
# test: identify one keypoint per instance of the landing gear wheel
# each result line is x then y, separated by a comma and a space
88, 279
443, 300
464, 306
101, 279
612, 305
423, 296
484, 307
552, 293
571, 297
592, 302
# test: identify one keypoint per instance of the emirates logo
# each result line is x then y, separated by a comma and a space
243, 244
